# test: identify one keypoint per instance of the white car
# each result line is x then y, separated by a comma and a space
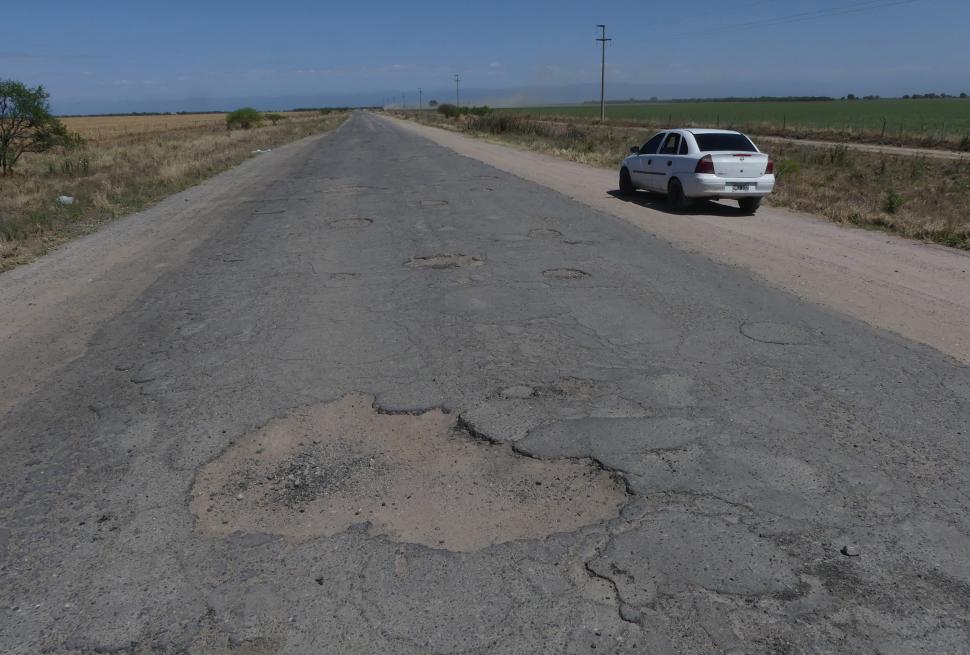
691, 163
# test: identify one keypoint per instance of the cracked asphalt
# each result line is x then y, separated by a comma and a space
756, 438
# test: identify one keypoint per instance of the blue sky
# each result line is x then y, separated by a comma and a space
100, 56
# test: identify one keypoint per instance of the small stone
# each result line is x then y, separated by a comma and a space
851, 550
239, 496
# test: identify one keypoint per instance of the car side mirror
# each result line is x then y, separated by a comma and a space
635, 149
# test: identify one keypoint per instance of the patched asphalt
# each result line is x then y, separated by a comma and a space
771, 477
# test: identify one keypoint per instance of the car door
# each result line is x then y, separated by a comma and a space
665, 162
644, 160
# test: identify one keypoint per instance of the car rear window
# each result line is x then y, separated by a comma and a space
717, 141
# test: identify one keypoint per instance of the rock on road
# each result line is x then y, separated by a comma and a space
364, 395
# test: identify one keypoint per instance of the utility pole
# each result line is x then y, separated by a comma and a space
603, 40
404, 102
457, 92
420, 100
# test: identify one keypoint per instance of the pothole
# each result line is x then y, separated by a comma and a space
264, 212
349, 222
414, 478
433, 203
775, 333
445, 261
544, 233
565, 273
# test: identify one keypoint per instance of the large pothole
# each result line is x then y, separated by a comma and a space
415, 478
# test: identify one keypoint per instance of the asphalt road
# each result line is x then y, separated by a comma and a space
392, 400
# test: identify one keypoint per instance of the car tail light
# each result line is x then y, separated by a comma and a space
705, 165
770, 170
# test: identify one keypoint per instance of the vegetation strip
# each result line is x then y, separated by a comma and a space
918, 197
916, 122
123, 164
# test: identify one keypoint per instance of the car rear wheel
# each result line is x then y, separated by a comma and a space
626, 183
749, 205
675, 196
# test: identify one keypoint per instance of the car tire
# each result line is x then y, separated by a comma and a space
626, 183
749, 205
676, 199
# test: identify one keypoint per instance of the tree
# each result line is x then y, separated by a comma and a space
245, 118
433, 103
26, 123
963, 95
274, 118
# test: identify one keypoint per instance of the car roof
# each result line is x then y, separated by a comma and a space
693, 130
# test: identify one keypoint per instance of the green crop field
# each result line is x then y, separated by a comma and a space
949, 117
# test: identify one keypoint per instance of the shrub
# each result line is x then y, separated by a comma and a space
448, 110
893, 200
498, 123
274, 118
787, 167
245, 118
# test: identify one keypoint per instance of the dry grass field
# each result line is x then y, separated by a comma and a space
104, 128
914, 196
125, 164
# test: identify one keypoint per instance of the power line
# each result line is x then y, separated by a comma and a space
603, 41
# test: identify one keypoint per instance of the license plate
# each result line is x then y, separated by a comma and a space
741, 187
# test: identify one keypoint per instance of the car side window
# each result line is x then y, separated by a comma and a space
650, 147
683, 147
671, 144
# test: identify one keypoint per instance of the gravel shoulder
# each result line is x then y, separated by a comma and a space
917, 290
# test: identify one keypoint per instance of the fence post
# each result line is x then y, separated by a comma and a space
883, 135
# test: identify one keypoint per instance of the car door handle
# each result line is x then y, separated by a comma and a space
649, 161
669, 163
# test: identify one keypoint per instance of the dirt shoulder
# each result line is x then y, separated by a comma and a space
917, 290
